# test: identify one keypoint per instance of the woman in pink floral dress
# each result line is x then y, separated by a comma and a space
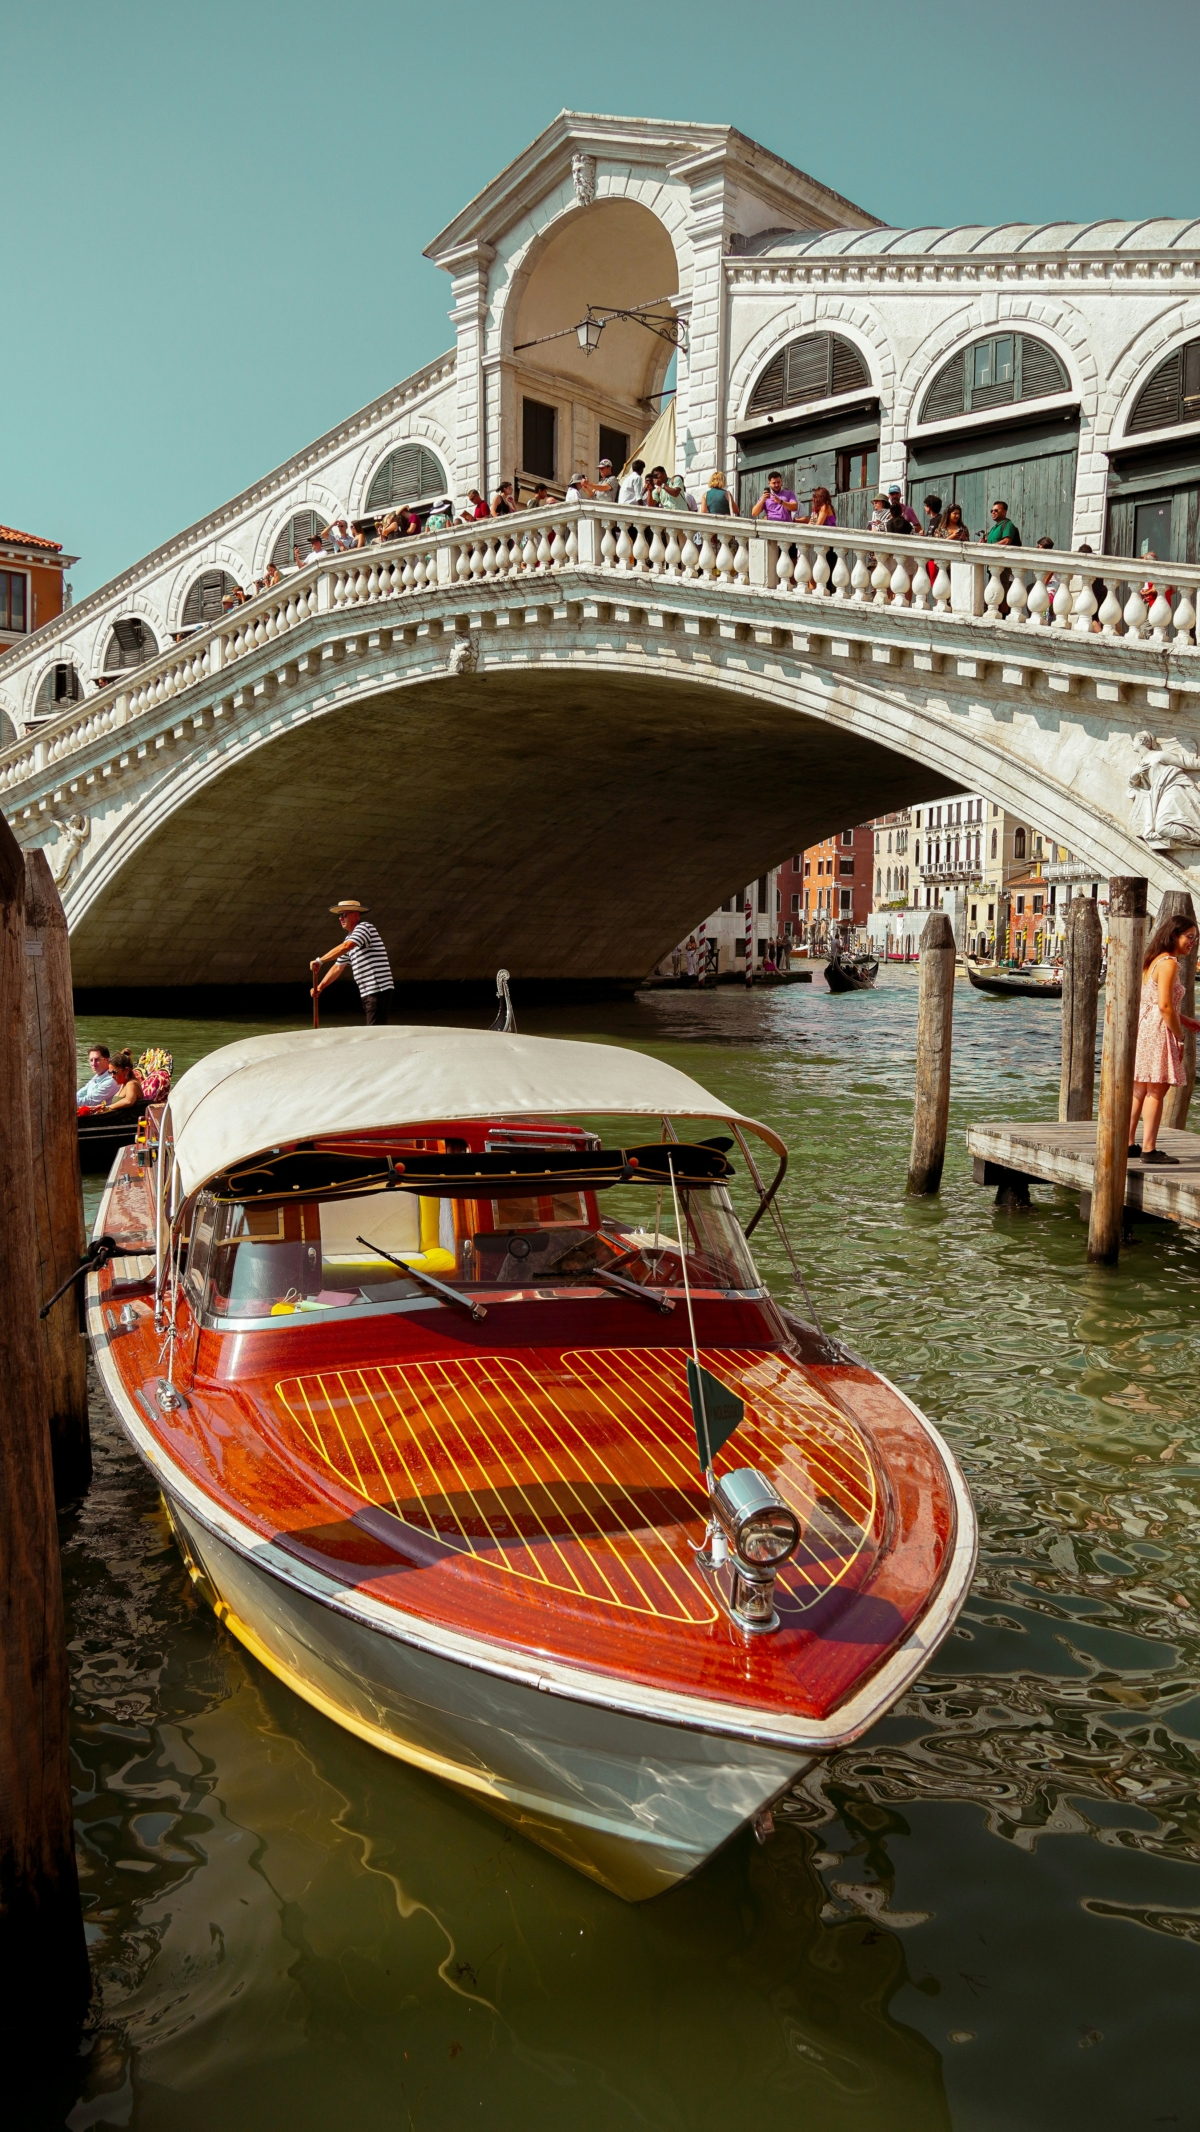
1159, 1062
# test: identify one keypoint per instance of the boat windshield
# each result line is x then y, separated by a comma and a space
248, 1261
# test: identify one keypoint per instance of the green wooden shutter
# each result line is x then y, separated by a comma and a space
848, 370
807, 369
1041, 371
1158, 403
203, 603
768, 393
945, 396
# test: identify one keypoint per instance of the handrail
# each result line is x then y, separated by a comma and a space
968, 585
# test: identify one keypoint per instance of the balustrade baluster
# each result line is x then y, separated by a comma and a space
708, 554
1018, 595
860, 577
572, 544
1160, 619
941, 589
1083, 605
624, 549
673, 554
558, 549
1039, 603
529, 550
725, 560
785, 569
881, 578
993, 592
741, 561
1062, 604
901, 583
921, 583
1110, 608
1135, 615
408, 576
802, 581
491, 561
462, 561
1185, 618
689, 555
821, 574
608, 547
657, 552
841, 577
641, 549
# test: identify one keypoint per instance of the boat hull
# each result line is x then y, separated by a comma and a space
851, 977
1003, 986
633, 1803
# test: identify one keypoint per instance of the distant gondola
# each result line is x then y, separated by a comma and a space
1010, 984
846, 973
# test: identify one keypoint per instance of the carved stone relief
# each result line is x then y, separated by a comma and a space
73, 834
1166, 795
583, 178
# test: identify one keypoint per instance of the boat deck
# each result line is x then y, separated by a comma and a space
1065, 1154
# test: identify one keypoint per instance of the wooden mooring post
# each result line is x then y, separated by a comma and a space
1122, 1002
57, 1186
935, 1020
1177, 903
44, 1982
1082, 949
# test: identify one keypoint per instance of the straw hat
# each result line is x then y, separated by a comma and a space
348, 903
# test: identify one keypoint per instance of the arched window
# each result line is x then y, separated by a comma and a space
60, 686
8, 731
1171, 394
1018, 843
296, 538
813, 368
203, 603
407, 474
993, 373
130, 644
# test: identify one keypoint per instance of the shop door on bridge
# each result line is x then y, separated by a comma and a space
1031, 469
841, 456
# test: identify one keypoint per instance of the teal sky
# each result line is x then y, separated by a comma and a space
215, 213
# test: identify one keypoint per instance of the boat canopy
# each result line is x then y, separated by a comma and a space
271, 1091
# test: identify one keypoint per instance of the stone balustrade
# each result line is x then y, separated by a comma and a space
971, 593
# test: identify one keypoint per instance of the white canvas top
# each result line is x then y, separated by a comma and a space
273, 1090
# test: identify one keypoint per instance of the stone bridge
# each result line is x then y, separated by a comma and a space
556, 741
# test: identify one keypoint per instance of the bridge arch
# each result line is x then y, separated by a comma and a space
718, 760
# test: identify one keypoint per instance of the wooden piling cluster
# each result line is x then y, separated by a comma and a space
1122, 1003
44, 1984
1082, 950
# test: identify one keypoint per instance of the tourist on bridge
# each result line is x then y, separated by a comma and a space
896, 499
477, 506
775, 501
364, 953
102, 1086
503, 504
1159, 1063
633, 486
715, 500
1002, 530
606, 485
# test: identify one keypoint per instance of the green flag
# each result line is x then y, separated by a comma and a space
716, 1412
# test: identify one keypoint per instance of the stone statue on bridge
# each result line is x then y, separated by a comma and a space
1167, 798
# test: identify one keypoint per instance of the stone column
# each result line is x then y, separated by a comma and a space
469, 269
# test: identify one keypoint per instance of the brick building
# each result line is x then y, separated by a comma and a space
833, 890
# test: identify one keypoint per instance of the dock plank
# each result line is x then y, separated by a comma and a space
1064, 1154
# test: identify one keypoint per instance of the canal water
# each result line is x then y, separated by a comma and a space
985, 1915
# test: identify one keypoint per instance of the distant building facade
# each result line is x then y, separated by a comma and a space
33, 592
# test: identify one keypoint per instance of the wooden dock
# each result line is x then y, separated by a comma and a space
1011, 1156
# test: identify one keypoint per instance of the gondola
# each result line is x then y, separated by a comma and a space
1010, 984
102, 1136
479, 1428
851, 973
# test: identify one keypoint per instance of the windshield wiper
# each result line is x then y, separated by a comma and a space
426, 1280
655, 1297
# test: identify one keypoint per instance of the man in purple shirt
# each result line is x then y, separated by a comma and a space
775, 501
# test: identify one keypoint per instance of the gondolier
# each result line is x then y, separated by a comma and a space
364, 954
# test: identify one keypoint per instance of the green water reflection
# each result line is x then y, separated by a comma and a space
984, 1915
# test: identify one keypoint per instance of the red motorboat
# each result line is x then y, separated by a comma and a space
477, 1425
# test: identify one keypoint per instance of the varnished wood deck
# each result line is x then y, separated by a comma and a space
1064, 1154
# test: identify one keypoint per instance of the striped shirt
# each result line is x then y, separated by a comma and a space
369, 966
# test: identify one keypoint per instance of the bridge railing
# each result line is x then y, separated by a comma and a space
1109, 604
